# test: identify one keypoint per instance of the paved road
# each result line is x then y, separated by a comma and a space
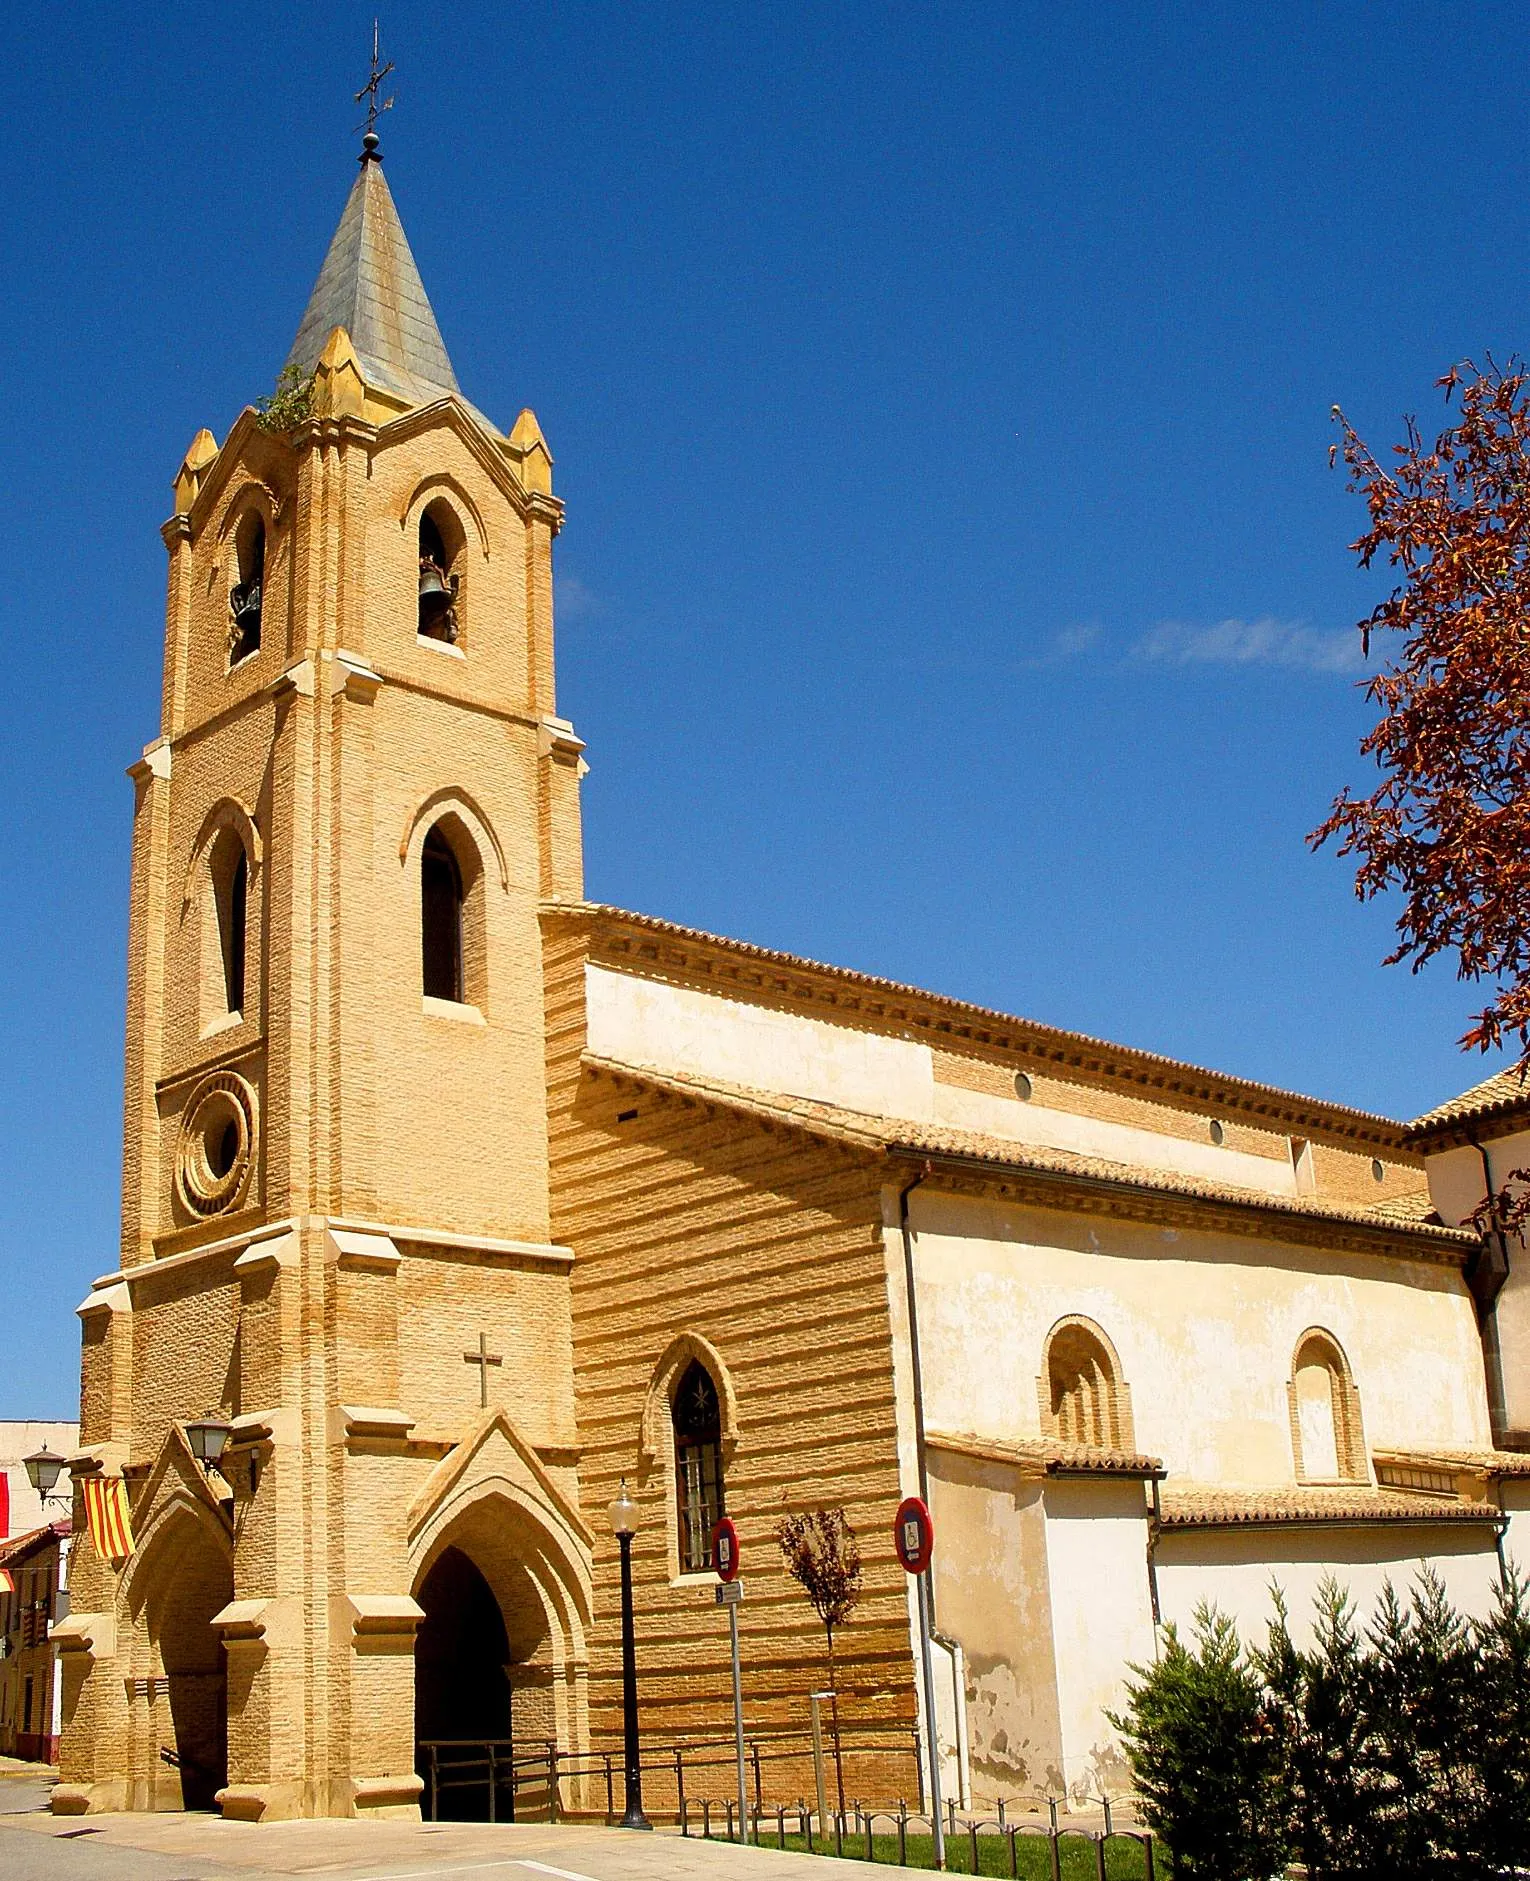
36, 1846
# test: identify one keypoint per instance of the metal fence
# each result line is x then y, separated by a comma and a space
497, 1783
856, 1833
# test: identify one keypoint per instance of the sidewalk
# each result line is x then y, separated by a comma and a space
191, 1848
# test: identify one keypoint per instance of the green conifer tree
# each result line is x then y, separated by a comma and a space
1205, 1757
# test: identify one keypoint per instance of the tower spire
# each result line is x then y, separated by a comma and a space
371, 151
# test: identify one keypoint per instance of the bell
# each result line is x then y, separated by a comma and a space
435, 595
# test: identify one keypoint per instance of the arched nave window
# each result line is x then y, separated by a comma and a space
1327, 1438
1083, 1397
697, 1417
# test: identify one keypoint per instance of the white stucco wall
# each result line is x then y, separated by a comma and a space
1458, 1184
20, 1439
1117, 1142
646, 1022
1102, 1618
1235, 1571
676, 1028
1205, 1327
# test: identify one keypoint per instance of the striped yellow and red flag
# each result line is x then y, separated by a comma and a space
111, 1523
7, 1581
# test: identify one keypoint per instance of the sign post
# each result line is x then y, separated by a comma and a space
730, 1592
914, 1539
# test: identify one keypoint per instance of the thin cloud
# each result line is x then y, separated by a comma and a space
1068, 643
575, 600
1267, 642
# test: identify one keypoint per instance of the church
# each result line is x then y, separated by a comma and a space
456, 1200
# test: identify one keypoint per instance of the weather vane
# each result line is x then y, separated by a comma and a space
369, 91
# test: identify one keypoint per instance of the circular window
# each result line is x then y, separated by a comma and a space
1378, 1170
217, 1144
1218, 1134
1024, 1089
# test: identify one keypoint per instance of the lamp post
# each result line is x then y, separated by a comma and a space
43, 1468
624, 1521
208, 1438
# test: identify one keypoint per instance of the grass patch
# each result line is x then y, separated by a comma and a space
1125, 1858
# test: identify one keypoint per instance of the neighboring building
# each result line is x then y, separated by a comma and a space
21, 1508
34, 1595
461, 1199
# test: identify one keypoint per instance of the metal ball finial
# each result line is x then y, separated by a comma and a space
370, 151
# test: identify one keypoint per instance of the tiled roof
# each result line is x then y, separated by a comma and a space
896, 1135
1484, 1462
1500, 1095
18, 1547
369, 285
1047, 1456
1418, 1207
943, 1019
1297, 1505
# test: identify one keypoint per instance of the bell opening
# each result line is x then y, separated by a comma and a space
438, 584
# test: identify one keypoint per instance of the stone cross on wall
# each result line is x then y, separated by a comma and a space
483, 1358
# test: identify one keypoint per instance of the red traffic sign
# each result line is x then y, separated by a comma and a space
913, 1535
725, 1551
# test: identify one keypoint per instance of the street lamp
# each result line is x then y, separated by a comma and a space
624, 1521
208, 1436
43, 1469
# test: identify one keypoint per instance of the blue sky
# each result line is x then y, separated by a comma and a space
954, 585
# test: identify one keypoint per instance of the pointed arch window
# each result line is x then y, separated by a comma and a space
1084, 1399
1327, 1436
246, 597
697, 1415
224, 975
441, 918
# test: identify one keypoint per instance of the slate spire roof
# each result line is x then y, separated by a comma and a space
369, 285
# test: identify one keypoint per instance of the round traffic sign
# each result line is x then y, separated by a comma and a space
913, 1535
725, 1551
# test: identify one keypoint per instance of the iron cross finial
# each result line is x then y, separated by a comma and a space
375, 109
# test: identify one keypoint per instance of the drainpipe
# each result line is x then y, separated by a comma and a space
1485, 1277
913, 1339
952, 1647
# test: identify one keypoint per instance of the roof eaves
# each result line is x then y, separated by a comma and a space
1144, 1072
1270, 1214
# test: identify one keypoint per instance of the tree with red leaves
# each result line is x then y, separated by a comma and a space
1449, 824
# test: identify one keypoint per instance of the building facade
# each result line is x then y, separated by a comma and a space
462, 1199
34, 1597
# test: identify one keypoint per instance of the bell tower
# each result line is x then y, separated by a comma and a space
335, 1142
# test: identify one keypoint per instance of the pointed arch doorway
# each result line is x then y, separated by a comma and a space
185, 1577
502, 1577
486, 1670
461, 1689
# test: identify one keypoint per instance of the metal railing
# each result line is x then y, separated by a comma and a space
547, 1782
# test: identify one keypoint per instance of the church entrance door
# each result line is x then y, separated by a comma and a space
190, 1580
461, 1692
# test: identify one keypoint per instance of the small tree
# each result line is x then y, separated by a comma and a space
824, 1558
290, 405
1448, 826
1205, 1756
